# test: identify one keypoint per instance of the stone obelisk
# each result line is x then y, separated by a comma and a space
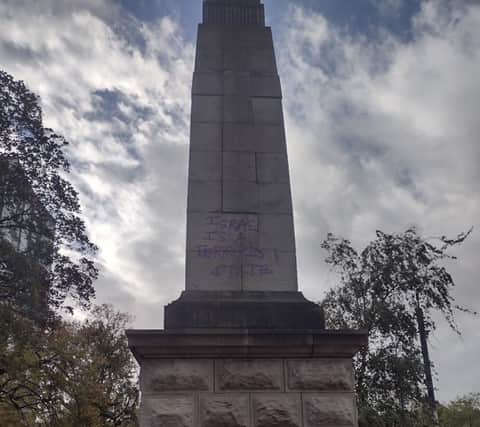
242, 347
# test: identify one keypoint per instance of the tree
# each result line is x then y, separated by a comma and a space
46, 257
78, 374
39, 208
391, 289
462, 412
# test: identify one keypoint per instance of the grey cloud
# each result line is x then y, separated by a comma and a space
386, 147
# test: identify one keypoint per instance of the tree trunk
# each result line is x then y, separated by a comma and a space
423, 335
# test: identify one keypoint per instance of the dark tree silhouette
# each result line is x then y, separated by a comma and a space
39, 209
391, 289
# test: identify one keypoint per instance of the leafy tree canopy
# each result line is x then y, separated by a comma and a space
391, 289
39, 208
75, 374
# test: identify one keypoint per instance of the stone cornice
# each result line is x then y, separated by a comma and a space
244, 343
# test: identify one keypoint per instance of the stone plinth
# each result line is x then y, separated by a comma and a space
250, 310
246, 378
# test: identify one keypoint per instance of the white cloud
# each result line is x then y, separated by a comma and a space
381, 134
386, 133
125, 109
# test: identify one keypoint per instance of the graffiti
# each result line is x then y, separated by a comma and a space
233, 241
245, 270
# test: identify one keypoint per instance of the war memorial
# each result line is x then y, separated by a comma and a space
242, 347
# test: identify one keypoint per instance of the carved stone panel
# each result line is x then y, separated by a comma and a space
320, 375
276, 410
160, 376
224, 410
242, 375
329, 410
171, 411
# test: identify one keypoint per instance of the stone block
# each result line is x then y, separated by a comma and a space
206, 137
209, 60
320, 375
267, 111
210, 37
237, 59
207, 108
207, 83
256, 37
204, 196
240, 196
270, 270
236, 82
253, 138
329, 410
269, 139
163, 376
237, 109
209, 270
260, 38
249, 375
275, 198
272, 168
265, 85
205, 166
171, 411
277, 232
262, 60
276, 410
239, 166
218, 232
224, 410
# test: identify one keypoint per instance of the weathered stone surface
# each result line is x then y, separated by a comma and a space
206, 108
320, 375
272, 168
275, 198
220, 270
335, 410
237, 109
204, 196
236, 59
160, 376
210, 37
239, 166
276, 231
275, 271
167, 411
267, 85
254, 138
240, 196
249, 311
276, 410
267, 110
262, 60
209, 60
205, 166
236, 82
257, 374
222, 410
215, 234
206, 137
210, 83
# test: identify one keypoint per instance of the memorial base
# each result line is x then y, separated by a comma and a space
247, 309
246, 378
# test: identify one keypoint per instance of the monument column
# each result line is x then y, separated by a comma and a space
242, 346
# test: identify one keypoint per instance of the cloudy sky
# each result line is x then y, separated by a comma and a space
382, 101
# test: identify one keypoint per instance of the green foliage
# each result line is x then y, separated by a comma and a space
381, 291
75, 374
52, 372
39, 208
462, 412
